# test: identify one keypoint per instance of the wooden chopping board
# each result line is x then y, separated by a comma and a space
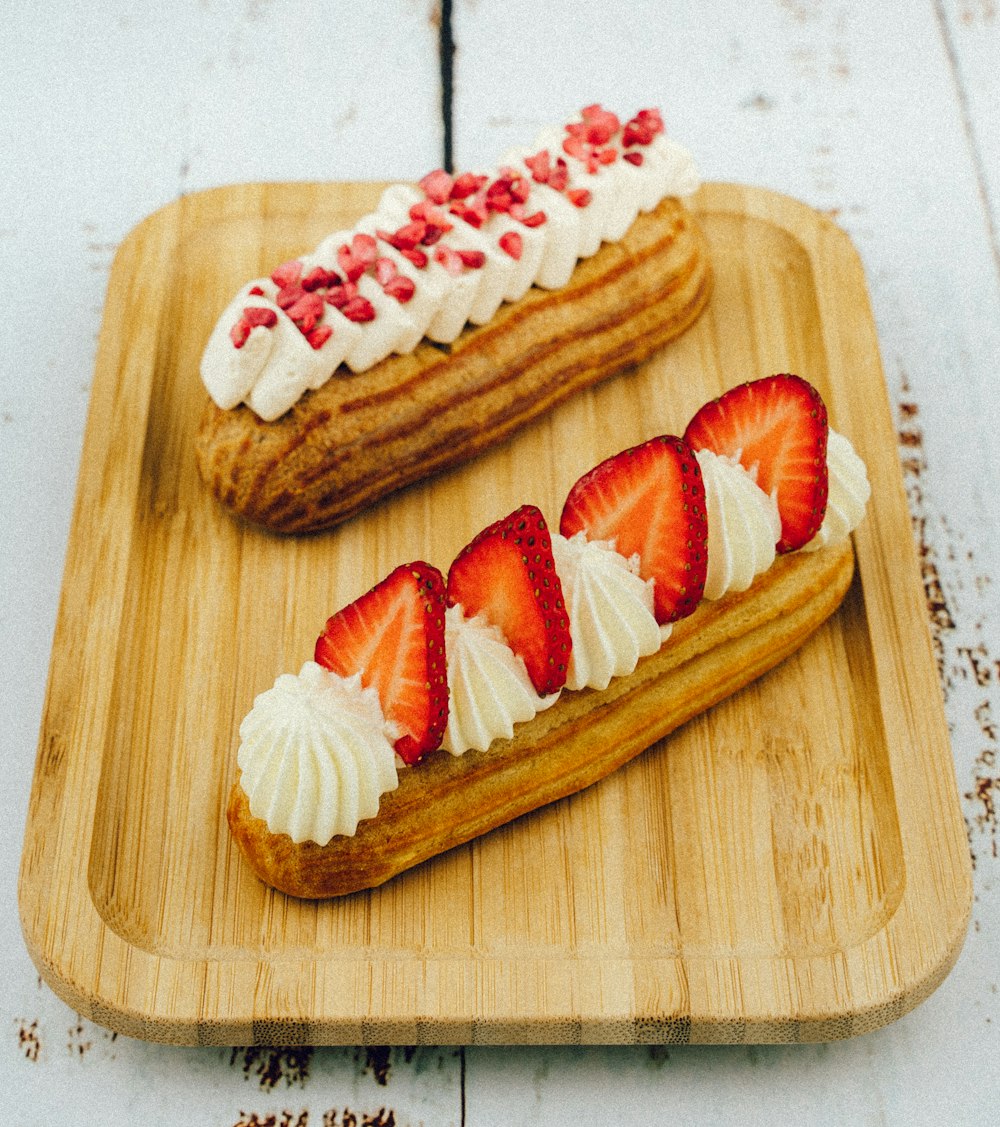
791, 866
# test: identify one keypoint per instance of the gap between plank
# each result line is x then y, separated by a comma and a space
982, 184
446, 60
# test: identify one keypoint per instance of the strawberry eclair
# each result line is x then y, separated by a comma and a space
459, 310
438, 707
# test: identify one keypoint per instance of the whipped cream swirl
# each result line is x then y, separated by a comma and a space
743, 525
286, 334
848, 495
315, 751
314, 757
610, 610
488, 685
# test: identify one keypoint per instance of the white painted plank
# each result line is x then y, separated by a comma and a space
883, 116
110, 111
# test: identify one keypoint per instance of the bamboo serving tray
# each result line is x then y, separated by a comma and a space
790, 866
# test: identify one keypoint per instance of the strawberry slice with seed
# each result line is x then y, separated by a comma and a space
776, 428
508, 575
393, 636
650, 500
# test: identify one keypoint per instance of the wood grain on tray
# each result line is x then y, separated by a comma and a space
790, 865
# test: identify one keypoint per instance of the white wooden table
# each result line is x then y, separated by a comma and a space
885, 116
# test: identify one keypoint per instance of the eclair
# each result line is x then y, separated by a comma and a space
462, 308
440, 705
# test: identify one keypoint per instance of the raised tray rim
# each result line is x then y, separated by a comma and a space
56, 904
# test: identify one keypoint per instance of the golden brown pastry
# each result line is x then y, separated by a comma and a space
462, 308
447, 800
361, 436
683, 568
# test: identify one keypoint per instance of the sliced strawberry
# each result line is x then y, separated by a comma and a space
507, 574
649, 499
777, 428
394, 637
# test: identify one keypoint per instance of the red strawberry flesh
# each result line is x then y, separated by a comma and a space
508, 575
776, 428
650, 500
393, 636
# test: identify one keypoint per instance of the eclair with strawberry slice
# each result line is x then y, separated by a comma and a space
456, 312
439, 706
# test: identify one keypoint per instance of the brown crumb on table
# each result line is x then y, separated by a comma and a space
28, 1039
272, 1064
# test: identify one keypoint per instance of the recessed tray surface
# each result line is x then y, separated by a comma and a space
790, 866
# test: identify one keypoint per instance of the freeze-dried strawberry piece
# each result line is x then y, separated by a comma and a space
512, 243
356, 258
364, 247
385, 270
287, 273
575, 146
351, 267
288, 295
633, 158
437, 185
559, 176
540, 166
239, 333
408, 236
536, 219
339, 296
414, 255
257, 315
432, 232
642, 128
510, 189
467, 185
359, 309
319, 336
401, 288
426, 212
306, 311
579, 197
319, 279
600, 125
472, 210
450, 259
256, 291
473, 259
252, 317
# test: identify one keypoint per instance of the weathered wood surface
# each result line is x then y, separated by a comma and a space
885, 119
